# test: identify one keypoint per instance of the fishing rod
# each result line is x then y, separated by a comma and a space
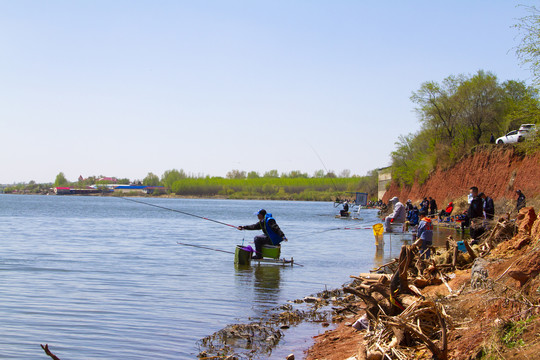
219, 250
324, 166
205, 247
179, 211
332, 229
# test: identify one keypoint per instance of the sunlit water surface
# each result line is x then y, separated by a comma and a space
104, 278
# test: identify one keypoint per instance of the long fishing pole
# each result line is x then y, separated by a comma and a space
332, 229
205, 247
324, 166
179, 211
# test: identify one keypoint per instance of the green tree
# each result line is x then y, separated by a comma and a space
528, 51
271, 174
294, 174
318, 174
346, 173
169, 177
481, 105
236, 174
253, 175
151, 180
60, 180
438, 108
521, 105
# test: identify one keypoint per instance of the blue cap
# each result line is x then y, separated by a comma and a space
260, 212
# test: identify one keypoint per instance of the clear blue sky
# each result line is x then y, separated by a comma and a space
123, 88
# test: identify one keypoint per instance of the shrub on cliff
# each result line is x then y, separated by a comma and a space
457, 114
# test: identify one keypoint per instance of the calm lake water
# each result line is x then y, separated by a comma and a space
102, 277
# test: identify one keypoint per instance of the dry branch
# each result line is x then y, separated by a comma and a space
48, 352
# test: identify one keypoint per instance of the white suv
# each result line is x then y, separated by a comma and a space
525, 129
511, 137
515, 136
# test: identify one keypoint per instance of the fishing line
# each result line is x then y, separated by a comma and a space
179, 211
324, 166
197, 216
332, 229
205, 247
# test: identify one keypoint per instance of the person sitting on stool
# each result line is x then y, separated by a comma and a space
272, 234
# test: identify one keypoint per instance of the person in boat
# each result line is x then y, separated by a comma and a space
424, 234
397, 216
272, 234
345, 211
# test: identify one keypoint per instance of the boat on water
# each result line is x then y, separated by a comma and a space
243, 255
359, 201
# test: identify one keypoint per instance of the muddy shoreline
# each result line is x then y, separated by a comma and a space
478, 300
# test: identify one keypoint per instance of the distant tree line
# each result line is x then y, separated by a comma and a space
237, 184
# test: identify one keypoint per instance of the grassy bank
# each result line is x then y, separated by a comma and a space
274, 188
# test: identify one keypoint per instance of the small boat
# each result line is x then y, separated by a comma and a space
343, 215
270, 255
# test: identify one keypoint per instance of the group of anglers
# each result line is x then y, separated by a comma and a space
481, 208
414, 217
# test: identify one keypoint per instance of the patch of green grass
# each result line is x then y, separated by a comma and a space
512, 332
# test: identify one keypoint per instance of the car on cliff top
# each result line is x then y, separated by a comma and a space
515, 136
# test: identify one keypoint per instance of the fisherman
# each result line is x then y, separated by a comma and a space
397, 216
413, 216
272, 234
432, 206
475, 214
521, 201
424, 235
489, 206
447, 211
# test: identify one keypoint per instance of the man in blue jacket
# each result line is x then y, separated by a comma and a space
272, 234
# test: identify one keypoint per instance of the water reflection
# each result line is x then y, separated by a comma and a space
391, 246
261, 284
378, 260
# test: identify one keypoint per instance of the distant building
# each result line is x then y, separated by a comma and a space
108, 179
385, 177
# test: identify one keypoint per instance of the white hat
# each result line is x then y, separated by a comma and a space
394, 199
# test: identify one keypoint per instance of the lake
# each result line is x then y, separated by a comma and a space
102, 277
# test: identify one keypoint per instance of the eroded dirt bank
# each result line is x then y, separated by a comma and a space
496, 170
482, 304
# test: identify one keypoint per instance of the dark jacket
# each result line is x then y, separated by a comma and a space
413, 216
520, 202
433, 205
476, 208
261, 225
489, 208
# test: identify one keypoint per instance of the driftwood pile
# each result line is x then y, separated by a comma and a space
401, 323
